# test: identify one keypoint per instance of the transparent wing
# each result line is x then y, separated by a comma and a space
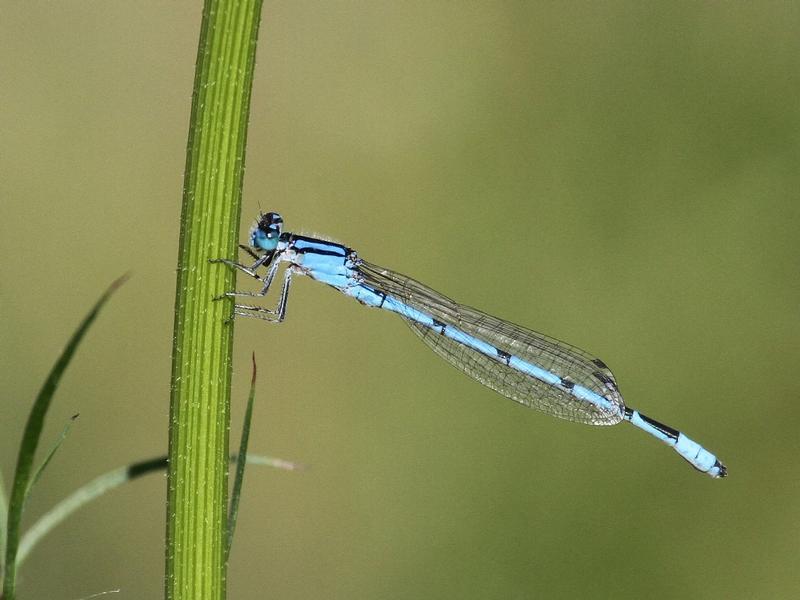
563, 360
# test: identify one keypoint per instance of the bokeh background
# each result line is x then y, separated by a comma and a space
621, 176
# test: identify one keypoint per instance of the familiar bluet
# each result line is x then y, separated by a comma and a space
533, 369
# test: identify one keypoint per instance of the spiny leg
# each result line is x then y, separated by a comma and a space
259, 312
251, 270
249, 251
263, 260
273, 269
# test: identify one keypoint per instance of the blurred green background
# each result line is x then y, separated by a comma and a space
624, 177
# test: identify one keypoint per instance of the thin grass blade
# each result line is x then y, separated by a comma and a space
3, 519
30, 441
236, 494
98, 594
38, 473
108, 481
268, 461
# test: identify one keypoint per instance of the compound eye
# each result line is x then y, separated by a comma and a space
266, 232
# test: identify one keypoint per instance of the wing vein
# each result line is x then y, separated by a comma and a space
573, 365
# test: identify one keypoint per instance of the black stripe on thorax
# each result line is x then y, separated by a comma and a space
308, 245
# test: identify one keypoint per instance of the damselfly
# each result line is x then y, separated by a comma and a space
531, 368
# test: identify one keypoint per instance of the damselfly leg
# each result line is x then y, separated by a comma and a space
251, 270
264, 261
249, 251
259, 312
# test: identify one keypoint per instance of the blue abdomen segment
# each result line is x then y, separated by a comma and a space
692, 452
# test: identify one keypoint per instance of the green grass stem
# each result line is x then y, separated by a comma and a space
203, 339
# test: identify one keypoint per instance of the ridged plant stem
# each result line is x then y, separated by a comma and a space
202, 350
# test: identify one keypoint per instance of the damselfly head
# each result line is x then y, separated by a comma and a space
266, 232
